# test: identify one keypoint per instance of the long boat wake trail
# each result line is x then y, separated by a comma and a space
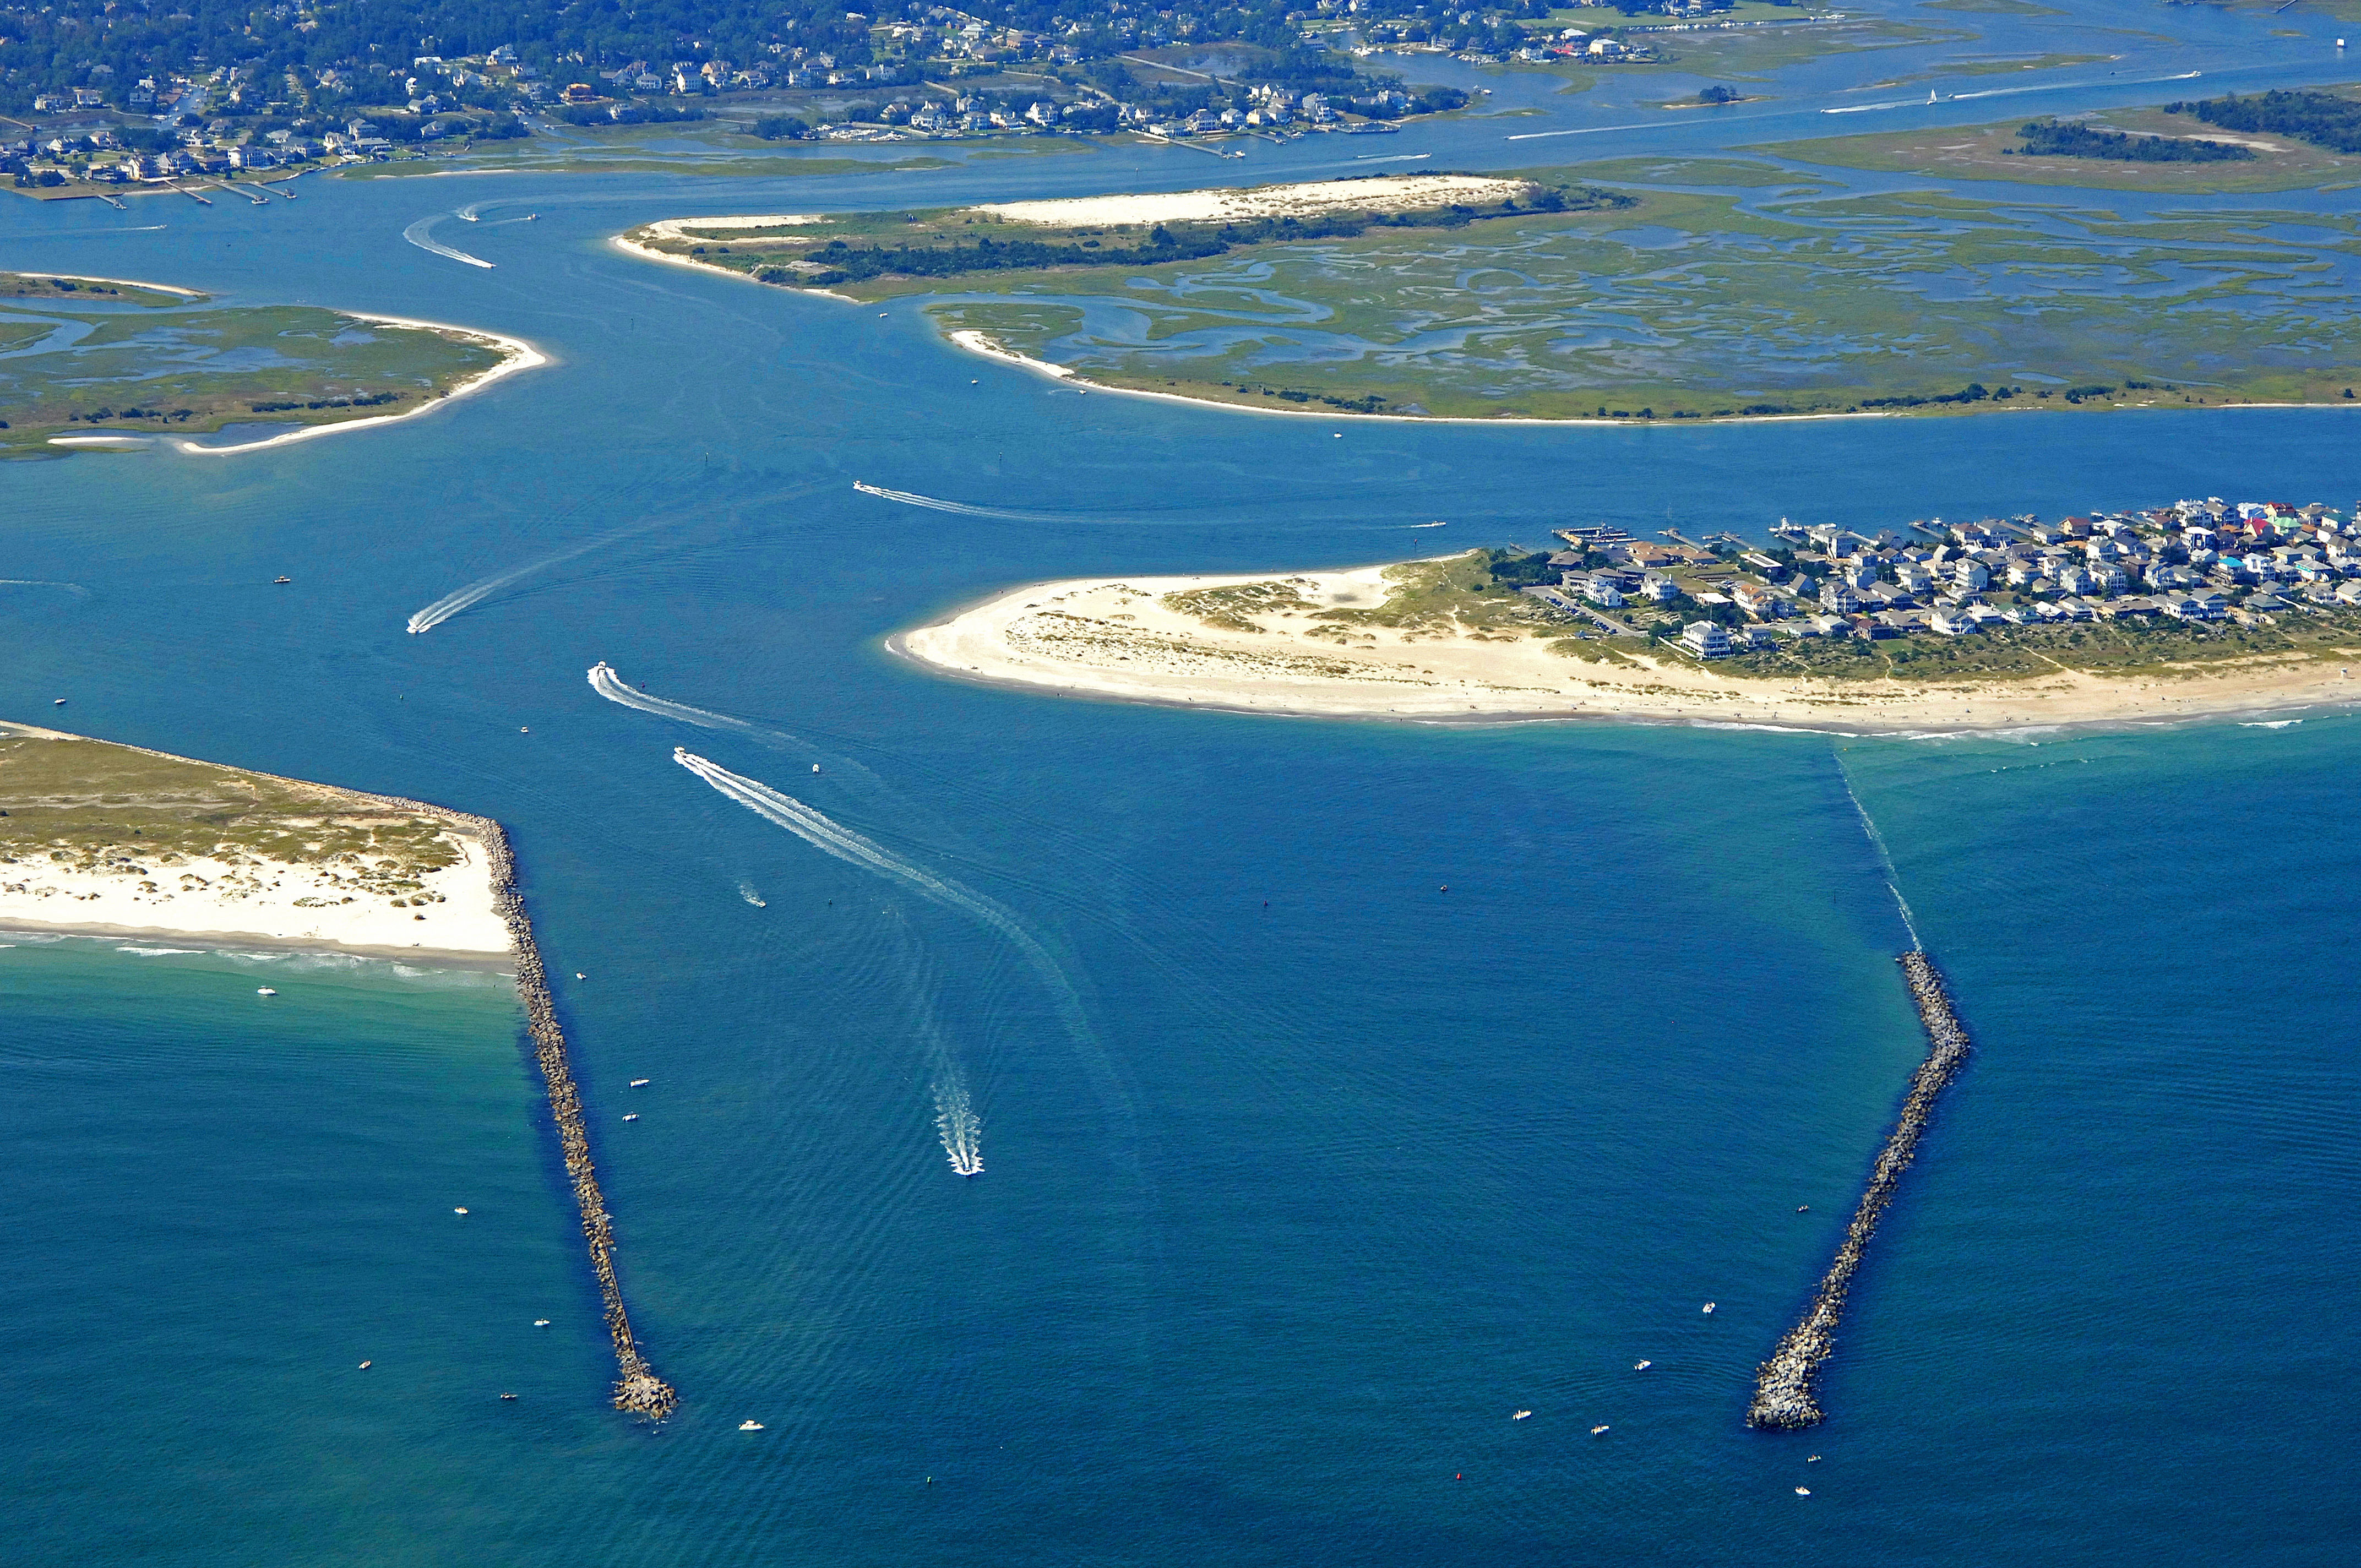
610, 685
823, 833
421, 234
476, 593
912, 499
1885, 859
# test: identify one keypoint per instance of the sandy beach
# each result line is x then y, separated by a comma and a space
1115, 637
1379, 194
519, 354
267, 904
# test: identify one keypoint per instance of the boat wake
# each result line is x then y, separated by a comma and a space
476, 593
467, 214
746, 891
824, 833
962, 1129
1877, 843
610, 685
962, 509
420, 234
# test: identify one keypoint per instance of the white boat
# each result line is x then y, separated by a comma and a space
264, 990
1803, 1491
641, 1082
540, 1322
1600, 1431
1709, 1308
458, 1210
365, 1367
749, 1426
815, 767
1642, 1365
632, 1117
1520, 1415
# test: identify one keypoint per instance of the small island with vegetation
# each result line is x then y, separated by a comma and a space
100, 364
2198, 607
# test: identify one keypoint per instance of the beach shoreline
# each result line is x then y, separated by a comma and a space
241, 941
1061, 638
519, 356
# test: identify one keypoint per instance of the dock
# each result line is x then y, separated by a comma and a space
1782, 1387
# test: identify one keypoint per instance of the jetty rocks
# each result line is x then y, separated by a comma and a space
637, 1388
1782, 1387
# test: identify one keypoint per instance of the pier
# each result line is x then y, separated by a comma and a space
1782, 1387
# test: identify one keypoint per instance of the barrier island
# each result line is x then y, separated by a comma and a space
97, 363
2197, 607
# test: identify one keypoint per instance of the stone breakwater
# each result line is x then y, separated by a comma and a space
1782, 1389
637, 1388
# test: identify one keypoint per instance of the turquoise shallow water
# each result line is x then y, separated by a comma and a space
1287, 1205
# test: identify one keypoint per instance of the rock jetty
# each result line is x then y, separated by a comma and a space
1782, 1387
637, 1388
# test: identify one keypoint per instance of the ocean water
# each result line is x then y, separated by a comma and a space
1301, 1172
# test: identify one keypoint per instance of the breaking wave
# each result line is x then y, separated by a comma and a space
420, 234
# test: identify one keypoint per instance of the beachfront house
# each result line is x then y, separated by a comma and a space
1706, 640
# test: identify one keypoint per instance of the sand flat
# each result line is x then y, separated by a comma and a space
1385, 193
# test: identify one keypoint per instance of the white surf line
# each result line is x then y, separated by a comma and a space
418, 234
825, 834
521, 356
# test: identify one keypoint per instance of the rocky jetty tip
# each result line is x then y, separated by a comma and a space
1782, 1387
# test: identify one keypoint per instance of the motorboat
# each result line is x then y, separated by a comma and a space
365, 1367
508, 1396
57, 702
458, 1210
264, 990
1520, 1415
1708, 1309
749, 1426
1803, 1491
1642, 1365
632, 1117
540, 1322
641, 1082
1598, 1430
283, 581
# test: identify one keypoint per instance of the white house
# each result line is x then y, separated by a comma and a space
1706, 640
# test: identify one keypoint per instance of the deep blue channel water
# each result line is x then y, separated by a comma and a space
1301, 1173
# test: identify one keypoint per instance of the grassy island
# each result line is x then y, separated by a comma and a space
1549, 295
95, 359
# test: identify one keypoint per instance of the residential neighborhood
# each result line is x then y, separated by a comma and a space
2193, 561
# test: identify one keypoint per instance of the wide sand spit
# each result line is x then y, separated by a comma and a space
241, 899
1117, 638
